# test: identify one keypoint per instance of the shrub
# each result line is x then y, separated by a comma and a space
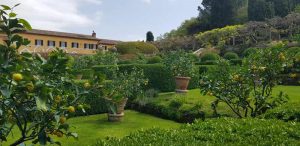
153, 60
224, 131
231, 56
176, 110
249, 51
87, 73
209, 57
136, 47
176, 103
236, 61
159, 77
287, 112
205, 68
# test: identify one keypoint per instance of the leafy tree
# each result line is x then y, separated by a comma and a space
149, 36
37, 96
259, 10
247, 90
222, 13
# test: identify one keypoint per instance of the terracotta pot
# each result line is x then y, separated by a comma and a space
115, 117
119, 111
182, 84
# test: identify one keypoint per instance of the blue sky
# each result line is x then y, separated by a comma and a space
126, 20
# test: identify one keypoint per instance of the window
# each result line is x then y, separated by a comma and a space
62, 44
92, 46
51, 43
75, 45
39, 42
86, 46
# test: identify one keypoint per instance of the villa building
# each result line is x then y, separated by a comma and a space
44, 41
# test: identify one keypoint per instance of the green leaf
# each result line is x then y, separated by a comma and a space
25, 24
5, 7
12, 14
41, 104
17, 5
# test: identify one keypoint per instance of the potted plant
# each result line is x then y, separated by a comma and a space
181, 65
117, 92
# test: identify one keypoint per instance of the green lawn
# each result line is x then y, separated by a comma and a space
91, 128
194, 96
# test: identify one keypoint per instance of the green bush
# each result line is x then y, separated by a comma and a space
249, 51
224, 131
231, 56
209, 57
176, 110
159, 77
153, 60
205, 68
87, 73
236, 61
288, 112
136, 47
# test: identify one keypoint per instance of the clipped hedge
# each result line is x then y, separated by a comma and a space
288, 112
136, 47
176, 111
224, 131
231, 56
159, 78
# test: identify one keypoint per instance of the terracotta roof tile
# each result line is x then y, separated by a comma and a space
70, 35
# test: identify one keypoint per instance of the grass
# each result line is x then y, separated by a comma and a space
91, 128
194, 96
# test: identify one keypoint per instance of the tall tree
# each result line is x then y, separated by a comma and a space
149, 36
222, 13
259, 10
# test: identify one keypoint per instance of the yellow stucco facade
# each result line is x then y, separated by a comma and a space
75, 44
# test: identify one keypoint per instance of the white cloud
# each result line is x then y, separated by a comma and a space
54, 14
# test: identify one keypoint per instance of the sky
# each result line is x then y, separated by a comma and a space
126, 20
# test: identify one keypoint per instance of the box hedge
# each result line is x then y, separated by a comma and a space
159, 78
224, 131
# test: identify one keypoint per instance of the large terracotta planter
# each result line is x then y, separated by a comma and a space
118, 116
182, 84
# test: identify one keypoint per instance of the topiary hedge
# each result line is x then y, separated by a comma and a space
210, 57
288, 112
176, 110
159, 78
136, 47
231, 56
224, 131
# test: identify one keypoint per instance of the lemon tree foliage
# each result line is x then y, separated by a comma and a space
124, 85
247, 90
180, 63
37, 95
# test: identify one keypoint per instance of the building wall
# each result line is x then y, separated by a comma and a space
32, 48
45, 48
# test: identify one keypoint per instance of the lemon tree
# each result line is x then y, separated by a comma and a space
37, 95
247, 89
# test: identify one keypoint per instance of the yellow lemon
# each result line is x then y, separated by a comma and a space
17, 77
87, 85
71, 109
